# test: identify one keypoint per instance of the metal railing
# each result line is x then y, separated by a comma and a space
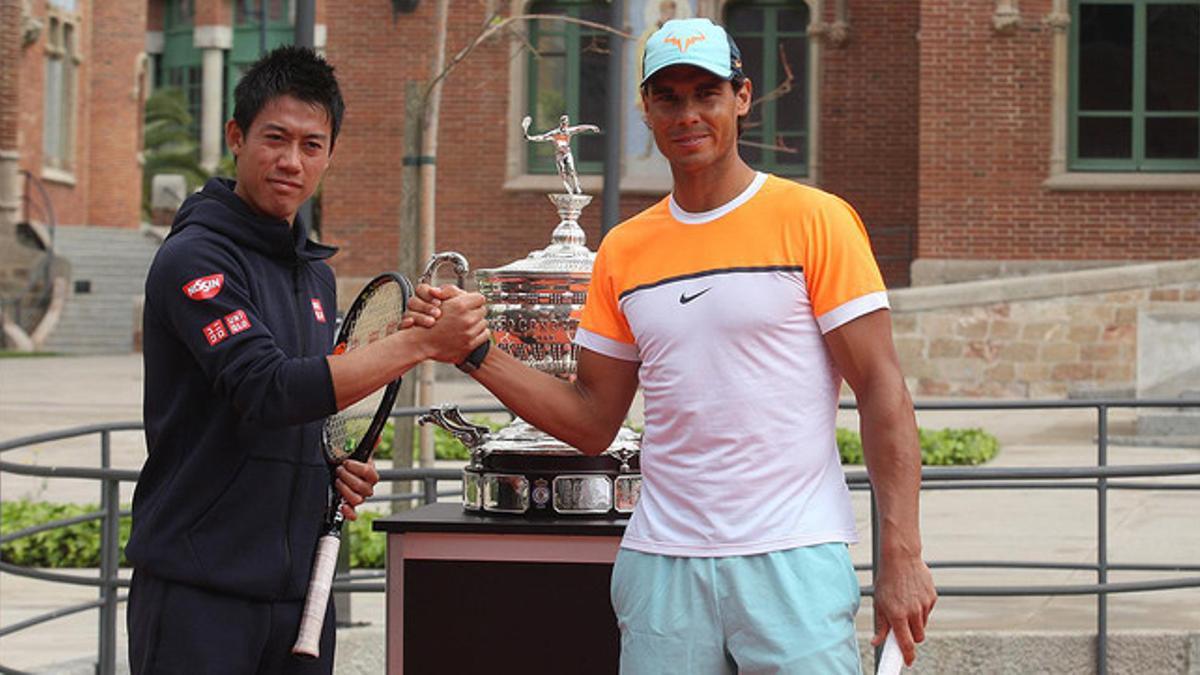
1101, 478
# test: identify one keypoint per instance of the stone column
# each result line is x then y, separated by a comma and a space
213, 41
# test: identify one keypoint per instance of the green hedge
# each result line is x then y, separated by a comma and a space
942, 447
74, 546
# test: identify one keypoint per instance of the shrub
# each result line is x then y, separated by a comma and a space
945, 447
74, 546
849, 446
942, 447
366, 547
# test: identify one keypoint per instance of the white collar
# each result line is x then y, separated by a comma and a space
690, 218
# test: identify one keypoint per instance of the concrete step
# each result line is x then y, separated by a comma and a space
111, 265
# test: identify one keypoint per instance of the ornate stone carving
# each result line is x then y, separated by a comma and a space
1059, 21
835, 33
31, 28
1007, 18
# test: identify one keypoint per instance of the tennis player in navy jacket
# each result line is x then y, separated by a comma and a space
238, 324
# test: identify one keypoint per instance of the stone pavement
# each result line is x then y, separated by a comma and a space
44, 394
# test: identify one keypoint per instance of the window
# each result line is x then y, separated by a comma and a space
772, 36
567, 75
62, 62
179, 66
180, 12
250, 11
248, 35
1135, 85
189, 80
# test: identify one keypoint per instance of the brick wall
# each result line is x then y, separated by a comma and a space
213, 13
10, 56
116, 102
70, 203
985, 145
106, 188
155, 14
869, 126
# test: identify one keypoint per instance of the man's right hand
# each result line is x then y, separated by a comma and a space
450, 320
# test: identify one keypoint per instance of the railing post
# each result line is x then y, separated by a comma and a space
110, 494
341, 599
430, 489
876, 545
1102, 541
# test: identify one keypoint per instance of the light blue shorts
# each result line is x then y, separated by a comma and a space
788, 611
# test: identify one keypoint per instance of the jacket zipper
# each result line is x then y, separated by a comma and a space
302, 336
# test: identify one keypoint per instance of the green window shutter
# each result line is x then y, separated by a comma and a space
567, 76
1134, 102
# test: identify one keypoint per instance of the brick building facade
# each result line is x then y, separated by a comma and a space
947, 124
74, 114
955, 128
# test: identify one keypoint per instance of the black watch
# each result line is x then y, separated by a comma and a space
475, 359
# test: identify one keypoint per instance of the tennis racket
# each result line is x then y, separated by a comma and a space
351, 434
891, 660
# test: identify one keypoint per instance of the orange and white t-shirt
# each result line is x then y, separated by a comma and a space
725, 311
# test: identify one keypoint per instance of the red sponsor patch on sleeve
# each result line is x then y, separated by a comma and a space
204, 288
318, 310
215, 332
237, 322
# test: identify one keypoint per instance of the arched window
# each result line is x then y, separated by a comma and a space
567, 75
773, 38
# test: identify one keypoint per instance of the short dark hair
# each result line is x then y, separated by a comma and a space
737, 81
289, 71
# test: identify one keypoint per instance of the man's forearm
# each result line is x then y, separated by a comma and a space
566, 410
892, 451
357, 373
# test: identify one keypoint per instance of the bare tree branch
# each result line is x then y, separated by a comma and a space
498, 24
784, 87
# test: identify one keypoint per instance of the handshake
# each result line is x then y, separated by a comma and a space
449, 323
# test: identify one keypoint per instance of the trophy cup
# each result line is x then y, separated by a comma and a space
533, 308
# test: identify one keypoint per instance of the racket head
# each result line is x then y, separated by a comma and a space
351, 433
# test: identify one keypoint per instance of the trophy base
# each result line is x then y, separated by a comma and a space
536, 485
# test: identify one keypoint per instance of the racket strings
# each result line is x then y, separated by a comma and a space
377, 317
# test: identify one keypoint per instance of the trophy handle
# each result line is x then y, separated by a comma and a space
449, 417
461, 267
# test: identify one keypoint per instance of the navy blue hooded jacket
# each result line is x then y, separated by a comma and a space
239, 315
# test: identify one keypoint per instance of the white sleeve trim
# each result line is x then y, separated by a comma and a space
851, 310
607, 346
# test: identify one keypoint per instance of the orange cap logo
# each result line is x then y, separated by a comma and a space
682, 46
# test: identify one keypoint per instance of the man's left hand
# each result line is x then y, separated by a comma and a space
355, 481
904, 597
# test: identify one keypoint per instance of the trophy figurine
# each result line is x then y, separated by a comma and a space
533, 309
561, 137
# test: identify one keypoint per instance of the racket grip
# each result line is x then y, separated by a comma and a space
312, 620
891, 661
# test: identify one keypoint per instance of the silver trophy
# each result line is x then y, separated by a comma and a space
533, 310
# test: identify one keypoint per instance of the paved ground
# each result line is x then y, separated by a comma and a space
44, 394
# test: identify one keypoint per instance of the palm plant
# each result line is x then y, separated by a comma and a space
169, 143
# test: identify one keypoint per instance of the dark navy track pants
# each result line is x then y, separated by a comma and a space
177, 628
